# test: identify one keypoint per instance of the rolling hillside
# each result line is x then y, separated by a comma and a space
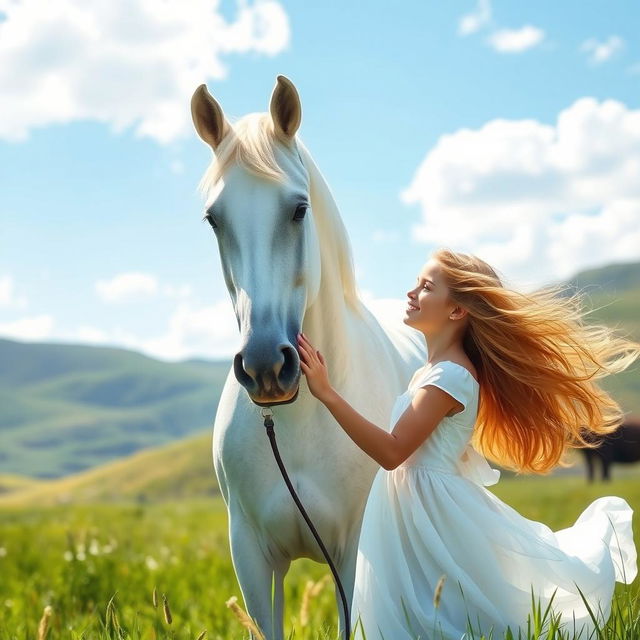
10, 483
179, 470
612, 278
65, 408
613, 294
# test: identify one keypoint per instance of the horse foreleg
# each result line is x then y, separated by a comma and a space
256, 570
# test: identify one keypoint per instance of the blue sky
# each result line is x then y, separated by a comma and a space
508, 130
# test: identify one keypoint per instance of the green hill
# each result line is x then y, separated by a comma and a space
612, 294
611, 278
179, 470
10, 483
66, 408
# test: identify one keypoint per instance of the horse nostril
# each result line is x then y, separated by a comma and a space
290, 362
241, 374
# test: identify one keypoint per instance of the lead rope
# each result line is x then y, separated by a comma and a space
268, 423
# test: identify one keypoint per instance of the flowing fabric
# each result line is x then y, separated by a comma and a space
432, 516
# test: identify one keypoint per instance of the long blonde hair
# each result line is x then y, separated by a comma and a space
537, 363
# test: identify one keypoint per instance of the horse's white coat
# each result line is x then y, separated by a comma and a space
284, 277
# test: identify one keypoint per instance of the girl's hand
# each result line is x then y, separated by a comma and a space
314, 368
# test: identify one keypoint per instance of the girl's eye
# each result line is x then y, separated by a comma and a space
426, 288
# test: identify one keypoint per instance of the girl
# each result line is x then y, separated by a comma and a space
514, 374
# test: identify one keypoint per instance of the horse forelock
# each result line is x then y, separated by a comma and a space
250, 144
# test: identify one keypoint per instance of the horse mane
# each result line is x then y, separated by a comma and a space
250, 144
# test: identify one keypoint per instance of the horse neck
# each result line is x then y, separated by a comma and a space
337, 322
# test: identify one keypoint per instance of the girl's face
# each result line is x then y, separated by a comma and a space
428, 307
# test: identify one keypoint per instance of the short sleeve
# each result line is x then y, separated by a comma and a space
450, 378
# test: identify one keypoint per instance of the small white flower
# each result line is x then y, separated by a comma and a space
94, 547
3, 552
68, 556
152, 563
8, 603
81, 556
107, 548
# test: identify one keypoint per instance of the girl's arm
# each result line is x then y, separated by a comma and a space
428, 406
374, 441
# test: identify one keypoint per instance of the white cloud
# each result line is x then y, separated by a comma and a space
28, 328
515, 40
126, 287
127, 63
179, 291
388, 311
6, 290
91, 335
536, 200
8, 297
209, 331
474, 21
130, 286
578, 235
602, 51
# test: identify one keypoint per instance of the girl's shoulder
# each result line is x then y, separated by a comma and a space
449, 367
451, 377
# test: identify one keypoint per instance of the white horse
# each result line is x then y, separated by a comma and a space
287, 264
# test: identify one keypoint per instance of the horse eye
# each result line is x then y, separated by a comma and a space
301, 210
209, 218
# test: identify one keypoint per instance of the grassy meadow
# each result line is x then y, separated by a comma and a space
97, 564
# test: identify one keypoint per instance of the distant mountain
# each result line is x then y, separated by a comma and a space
613, 278
613, 293
612, 297
65, 408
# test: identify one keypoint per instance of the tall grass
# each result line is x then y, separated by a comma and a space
163, 570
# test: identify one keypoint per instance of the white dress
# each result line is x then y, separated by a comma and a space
432, 516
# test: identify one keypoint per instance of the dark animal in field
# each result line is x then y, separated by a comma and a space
623, 445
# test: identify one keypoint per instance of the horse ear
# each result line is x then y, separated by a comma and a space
208, 117
285, 108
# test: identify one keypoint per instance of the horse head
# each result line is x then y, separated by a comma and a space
259, 207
